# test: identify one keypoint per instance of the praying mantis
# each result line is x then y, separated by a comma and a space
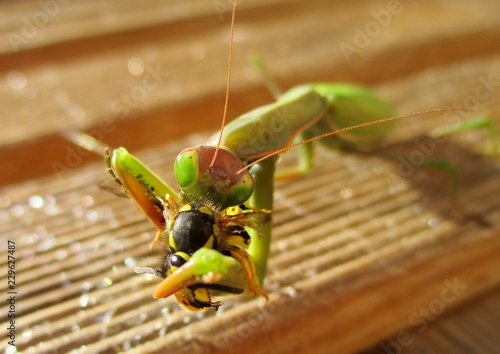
215, 231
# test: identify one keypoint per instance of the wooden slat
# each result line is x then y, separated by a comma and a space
359, 246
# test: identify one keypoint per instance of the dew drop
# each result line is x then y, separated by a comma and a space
432, 223
27, 334
113, 224
52, 210
346, 193
282, 246
75, 246
87, 200
31, 238
107, 282
291, 291
81, 350
130, 262
61, 254
4, 201
135, 66
17, 80
64, 279
78, 212
11, 350
92, 216
36, 202
48, 243
84, 300
17, 210
86, 286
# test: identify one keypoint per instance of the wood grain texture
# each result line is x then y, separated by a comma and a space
368, 252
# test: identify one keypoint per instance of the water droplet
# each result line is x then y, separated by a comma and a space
292, 292
31, 238
27, 334
87, 200
61, 254
47, 243
130, 262
86, 286
282, 246
107, 282
77, 211
119, 245
135, 66
84, 300
4, 216
346, 193
31, 350
17, 210
16, 80
4, 201
300, 211
75, 246
36, 202
27, 253
52, 210
92, 215
64, 279
163, 331
80, 350
11, 350
432, 223
41, 231
312, 272
113, 224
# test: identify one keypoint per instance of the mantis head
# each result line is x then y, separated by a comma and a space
222, 179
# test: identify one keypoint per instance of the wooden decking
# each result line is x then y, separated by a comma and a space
369, 254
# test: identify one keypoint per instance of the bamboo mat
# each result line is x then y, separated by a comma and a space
368, 253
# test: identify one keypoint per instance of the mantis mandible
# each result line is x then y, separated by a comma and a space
215, 231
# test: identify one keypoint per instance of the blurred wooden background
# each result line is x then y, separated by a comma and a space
369, 255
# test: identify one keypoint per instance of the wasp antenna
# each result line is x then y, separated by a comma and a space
343, 130
228, 84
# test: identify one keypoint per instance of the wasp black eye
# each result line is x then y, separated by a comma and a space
176, 261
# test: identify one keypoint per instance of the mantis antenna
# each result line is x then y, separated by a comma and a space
230, 64
343, 130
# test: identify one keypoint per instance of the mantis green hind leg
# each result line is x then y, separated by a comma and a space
492, 144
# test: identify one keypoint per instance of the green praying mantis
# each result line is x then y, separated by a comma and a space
215, 231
